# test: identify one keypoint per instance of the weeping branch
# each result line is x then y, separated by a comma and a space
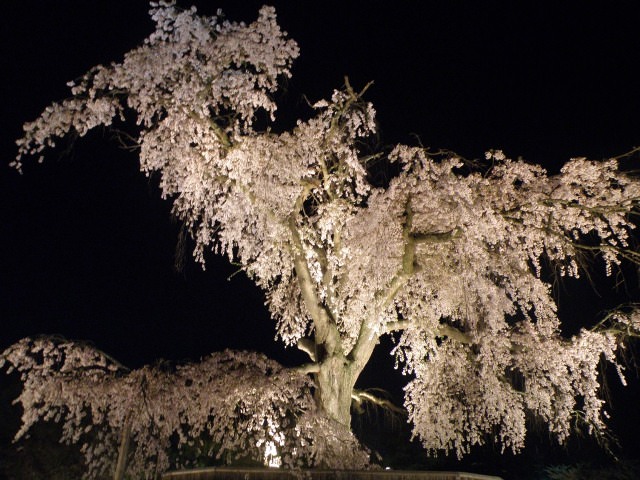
448, 331
621, 323
359, 397
436, 237
408, 260
368, 335
407, 269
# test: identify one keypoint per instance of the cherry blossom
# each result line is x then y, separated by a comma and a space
447, 255
229, 405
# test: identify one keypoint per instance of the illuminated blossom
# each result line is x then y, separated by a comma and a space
446, 254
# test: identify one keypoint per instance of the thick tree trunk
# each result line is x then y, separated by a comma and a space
335, 381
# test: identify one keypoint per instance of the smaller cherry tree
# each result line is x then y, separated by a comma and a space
242, 404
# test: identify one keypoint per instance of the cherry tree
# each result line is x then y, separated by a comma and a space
229, 405
448, 255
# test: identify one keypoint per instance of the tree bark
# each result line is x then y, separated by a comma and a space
336, 379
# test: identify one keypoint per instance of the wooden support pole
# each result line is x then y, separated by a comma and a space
123, 450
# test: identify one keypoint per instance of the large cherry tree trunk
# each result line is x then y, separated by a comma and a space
335, 380
338, 372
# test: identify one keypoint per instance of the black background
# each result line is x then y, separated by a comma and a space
87, 245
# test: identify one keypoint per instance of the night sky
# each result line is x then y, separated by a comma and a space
88, 246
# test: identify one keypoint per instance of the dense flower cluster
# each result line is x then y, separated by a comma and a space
230, 405
446, 254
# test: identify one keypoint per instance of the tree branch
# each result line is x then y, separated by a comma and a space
443, 330
307, 346
326, 332
219, 133
436, 237
361, 396
453, 333
408, 257
396, 326
308, 368
367, 337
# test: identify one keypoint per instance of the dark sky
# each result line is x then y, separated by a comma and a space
88, 246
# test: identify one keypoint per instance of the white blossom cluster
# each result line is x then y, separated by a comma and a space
447, 254
229, 405
189, 69
485, 281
